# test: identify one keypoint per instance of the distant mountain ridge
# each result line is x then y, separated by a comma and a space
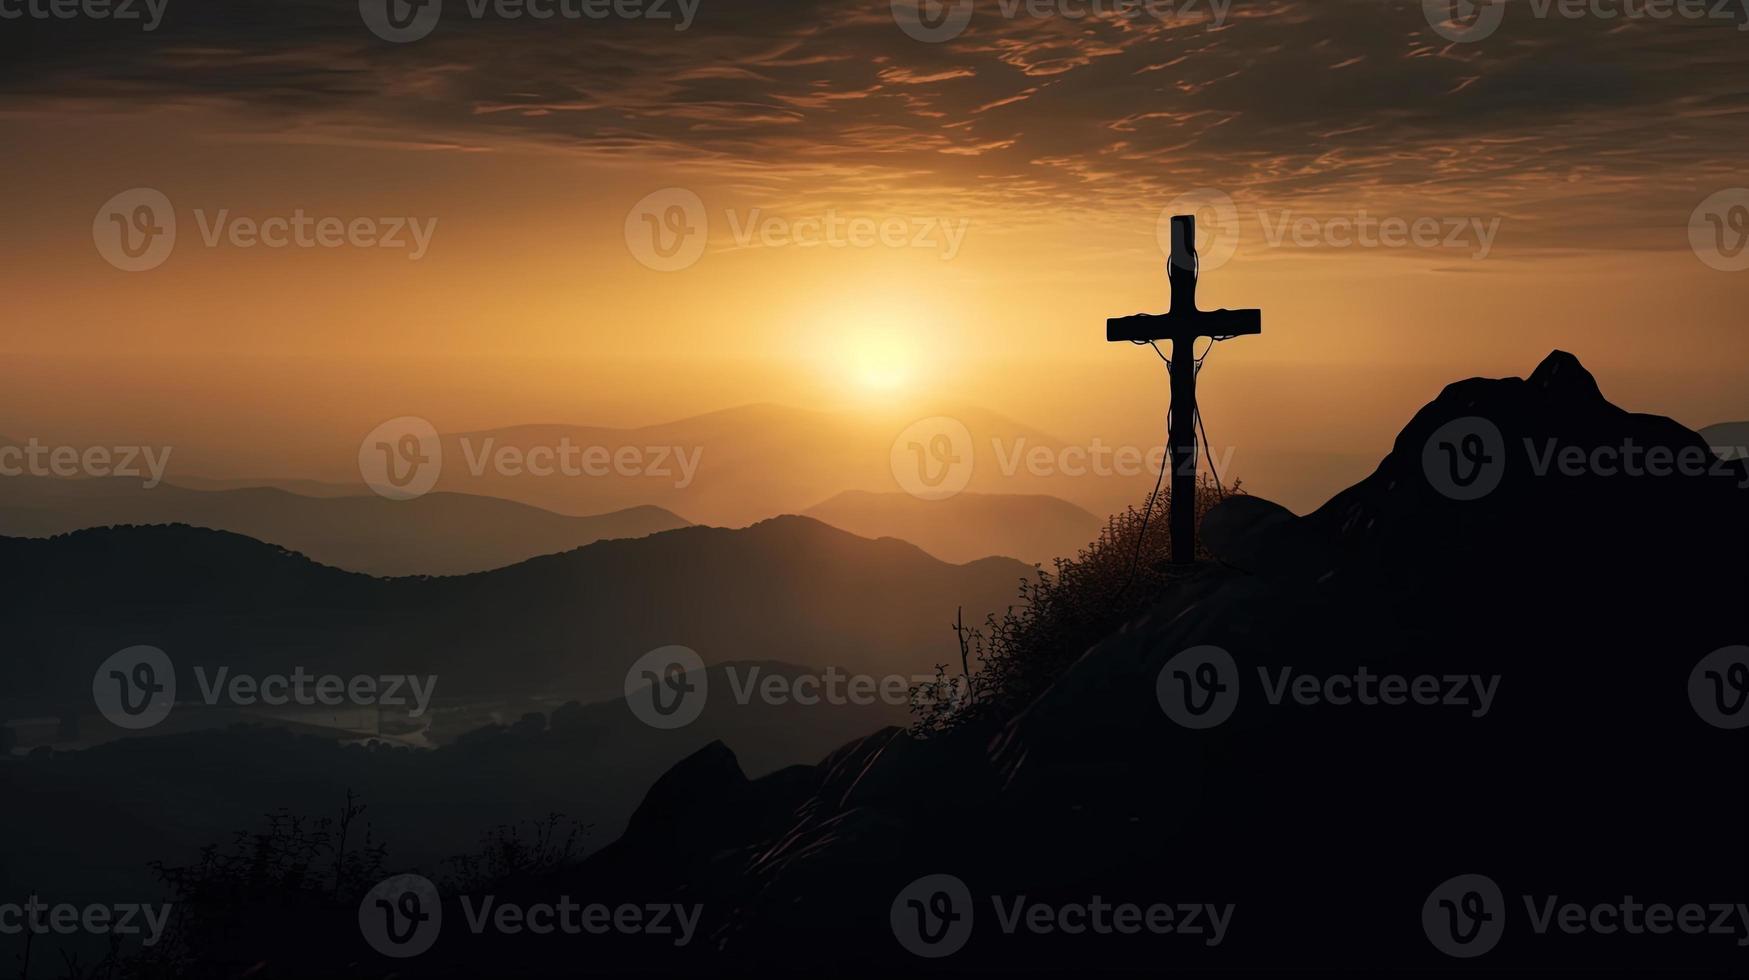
1729, 439
590, 761
436, 534
1031, 527
788, 589
729, 467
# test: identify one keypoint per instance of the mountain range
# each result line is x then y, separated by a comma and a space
789, 589
435, 534
730, 467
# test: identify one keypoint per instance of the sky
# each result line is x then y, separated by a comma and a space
674, 208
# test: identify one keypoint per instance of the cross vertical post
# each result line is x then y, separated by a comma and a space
1184, 324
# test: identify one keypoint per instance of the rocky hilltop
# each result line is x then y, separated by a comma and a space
1508, 653
1542, 632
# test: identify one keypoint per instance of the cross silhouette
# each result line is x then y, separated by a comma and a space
1183, 325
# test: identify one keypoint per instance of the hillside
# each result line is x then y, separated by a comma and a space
1588, 771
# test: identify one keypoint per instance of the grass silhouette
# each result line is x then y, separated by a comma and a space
1061, 613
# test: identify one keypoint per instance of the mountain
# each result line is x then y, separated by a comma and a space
436, 534
788, 589
744, 464
303, 488
1728, 439
589, 761
1586, 599
1032, 528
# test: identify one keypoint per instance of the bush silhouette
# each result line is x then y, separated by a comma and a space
257, 903
1060, 615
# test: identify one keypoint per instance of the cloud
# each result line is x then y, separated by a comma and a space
1304, 103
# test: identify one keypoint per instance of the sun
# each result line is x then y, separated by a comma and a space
881, 361
871, 347
878, 351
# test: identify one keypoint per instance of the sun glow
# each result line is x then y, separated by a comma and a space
882, 361
878, 353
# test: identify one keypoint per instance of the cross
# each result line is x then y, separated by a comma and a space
1184, 325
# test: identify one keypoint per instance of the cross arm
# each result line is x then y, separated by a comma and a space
1169, 326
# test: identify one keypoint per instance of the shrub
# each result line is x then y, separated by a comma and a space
257, 903
1060, 615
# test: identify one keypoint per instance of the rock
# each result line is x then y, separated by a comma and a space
699, 803
1729, 440
1237, 529
1585, 600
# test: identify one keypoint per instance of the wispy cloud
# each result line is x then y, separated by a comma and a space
1288, 102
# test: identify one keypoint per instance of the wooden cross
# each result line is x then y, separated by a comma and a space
1184, 325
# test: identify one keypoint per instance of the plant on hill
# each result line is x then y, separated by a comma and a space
1061, 614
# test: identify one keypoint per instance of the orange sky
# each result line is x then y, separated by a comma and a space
531, 304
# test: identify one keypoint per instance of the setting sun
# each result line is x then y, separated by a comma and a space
875, 346
882, 359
